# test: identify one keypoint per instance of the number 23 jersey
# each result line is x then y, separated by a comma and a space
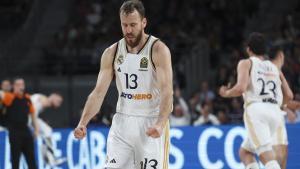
136, 80
264, 84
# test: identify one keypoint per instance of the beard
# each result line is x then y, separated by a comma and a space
133, 40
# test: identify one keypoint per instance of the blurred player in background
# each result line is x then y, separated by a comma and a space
5, 87
141, 63
261, 84
42, 102
279, 139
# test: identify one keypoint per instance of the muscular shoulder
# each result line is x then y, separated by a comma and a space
244, 63
111, 50
161, 53
108, 56
160, 47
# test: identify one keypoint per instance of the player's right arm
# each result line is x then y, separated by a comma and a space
96, 97
240, 87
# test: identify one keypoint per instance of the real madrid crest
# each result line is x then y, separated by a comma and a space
120, 59
144, 62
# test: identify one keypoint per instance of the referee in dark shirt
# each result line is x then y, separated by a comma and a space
18, 107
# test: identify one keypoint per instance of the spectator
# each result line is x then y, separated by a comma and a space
236, 112
297, 113
206, 118
293, 110
222, 117
206, 94
195, 107
291, 116
181, 115
221, 78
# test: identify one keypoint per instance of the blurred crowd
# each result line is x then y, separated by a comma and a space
76, 49
181, 26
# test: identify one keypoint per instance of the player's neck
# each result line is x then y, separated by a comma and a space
141, 44
261, 57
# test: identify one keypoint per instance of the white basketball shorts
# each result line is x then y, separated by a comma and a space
265, 125
128, 146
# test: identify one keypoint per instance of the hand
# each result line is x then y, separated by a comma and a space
223, 90
80, 132
155, 131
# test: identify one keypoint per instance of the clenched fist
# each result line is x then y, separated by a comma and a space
222, 91
155, 131
80, 132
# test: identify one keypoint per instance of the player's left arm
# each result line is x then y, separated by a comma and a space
286, 90
162, 61
240, 87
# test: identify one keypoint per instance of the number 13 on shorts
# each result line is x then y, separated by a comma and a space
148, 163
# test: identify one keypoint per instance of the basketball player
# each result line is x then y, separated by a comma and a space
259, 81
42, 102
141, 64
279, 140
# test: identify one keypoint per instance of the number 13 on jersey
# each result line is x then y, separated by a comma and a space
131, 81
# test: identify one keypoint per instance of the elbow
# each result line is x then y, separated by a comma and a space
290, 96
240, 89
94, 94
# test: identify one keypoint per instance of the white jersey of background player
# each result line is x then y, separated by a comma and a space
138, 138
279, 140
260, 84
42, 102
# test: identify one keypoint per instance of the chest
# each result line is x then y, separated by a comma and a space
132, 64
19, 105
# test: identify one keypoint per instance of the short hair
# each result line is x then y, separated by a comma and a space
17, 78
273, 51
257, 43
131, 5
5, 79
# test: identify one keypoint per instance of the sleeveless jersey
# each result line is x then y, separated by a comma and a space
264, 84
136, 80
35, 99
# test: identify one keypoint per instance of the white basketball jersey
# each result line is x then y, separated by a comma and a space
264, 84
136, 80
36, 102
